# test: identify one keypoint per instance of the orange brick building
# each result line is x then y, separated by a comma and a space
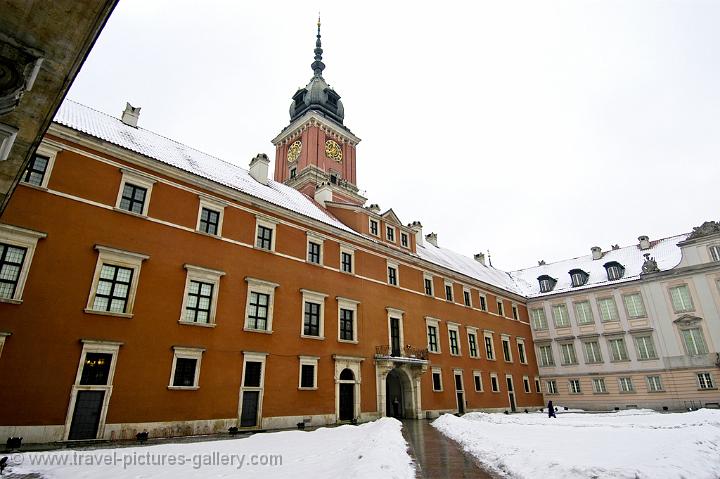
148, 286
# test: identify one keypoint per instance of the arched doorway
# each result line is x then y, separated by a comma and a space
398, 394
347, 395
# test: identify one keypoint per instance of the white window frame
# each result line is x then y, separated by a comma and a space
428, 276
694, 327
477, 375
522, 352
352, 305
538, 319
267, 223
489, 334
456, 328
466, 291
538, 387
594, 360
213, 205
370, 221
390, 264
572, 383
654, 386
319, 240
545, 361
641, 351
551, 386
585, 321
389, 228
260, 286
607, 305
399, 314
313, 297
707, 382
610, 342
447, 283
494, 385
566, 360
482, 298
407, 237
526, 385
626, 385
437, 371
205, 275
471, 331
136, 178
566, 319
599, 386
501, 307
673, 287
311, 361
22, 238
186, 353
714, 252
93, 346
429, 321
50, 152
124, 259
505, 339
351, 251
515, 311
626, 296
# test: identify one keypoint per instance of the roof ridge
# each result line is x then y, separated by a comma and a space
158, 134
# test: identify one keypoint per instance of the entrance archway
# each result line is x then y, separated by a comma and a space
347, 395
399, 397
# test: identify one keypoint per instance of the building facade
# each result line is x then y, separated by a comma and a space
637, 326
147, 286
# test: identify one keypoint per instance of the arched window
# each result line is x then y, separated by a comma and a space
578, 277
546, 283
347, 375
614, 270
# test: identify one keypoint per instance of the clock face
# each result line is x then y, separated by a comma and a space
294, 151
333, 150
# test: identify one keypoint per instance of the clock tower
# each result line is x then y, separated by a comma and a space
316, 150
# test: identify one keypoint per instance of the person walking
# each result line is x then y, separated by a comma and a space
551, 410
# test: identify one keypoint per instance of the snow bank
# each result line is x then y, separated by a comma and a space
374, 450
638, 444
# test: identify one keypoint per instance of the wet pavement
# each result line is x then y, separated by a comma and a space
437, 456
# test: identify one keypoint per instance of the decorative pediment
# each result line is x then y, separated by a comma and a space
687, 320
390, 217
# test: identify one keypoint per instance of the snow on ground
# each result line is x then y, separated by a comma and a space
633, 444
373, 450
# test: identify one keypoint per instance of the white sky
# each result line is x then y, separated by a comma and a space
533, 129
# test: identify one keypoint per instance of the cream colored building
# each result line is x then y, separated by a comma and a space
637, 326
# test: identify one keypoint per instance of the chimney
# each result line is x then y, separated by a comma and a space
259, 168
480, 258
596, 252
323, 193
375, 208
416, 226
644, 242
432, 239
130, 115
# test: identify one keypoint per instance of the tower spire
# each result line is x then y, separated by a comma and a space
318, 66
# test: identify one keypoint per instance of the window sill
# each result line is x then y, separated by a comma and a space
707, 389
348, 341
349, 273
437, 390
202, 325
660, 391
455, 355
261, 331
510, 362
569, 364
648, 359
601, 393
307, 389
317, 338
109, 313
10, 301
263, 249
491, 359
546, 365
137, 215
183, 388
475, 357
313, 263
628, 392
434, 352
217, 236
619, 360
575, 394
34, 187
497, 392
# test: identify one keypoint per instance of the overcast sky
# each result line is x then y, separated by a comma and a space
533, 129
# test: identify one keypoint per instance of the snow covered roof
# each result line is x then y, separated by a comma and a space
152, 145
467, 266
105, 127
665, 251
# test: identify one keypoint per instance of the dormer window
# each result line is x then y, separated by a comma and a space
546, 283
614, 270
578, 277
